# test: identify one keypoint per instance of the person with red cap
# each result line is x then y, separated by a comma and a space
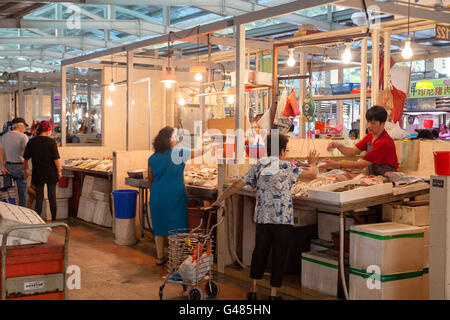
43, 152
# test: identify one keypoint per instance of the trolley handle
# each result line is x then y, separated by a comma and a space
32, 226
212, 209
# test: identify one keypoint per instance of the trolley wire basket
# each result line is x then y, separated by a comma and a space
190, 257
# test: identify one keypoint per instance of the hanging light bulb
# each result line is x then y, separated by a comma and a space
181, 101
112, 87
109, 102
347, 55
407, 51
198, 76
291, 60
230, 99
87, 115
95, 116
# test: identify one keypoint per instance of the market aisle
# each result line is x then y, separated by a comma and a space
112, 272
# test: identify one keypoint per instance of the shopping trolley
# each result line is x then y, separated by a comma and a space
190, 257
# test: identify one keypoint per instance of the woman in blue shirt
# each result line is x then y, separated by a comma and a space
273, 178
168, 199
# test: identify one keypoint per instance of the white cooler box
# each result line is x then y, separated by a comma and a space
395, 286
318, 245
412, 215
328, 222
393, 247
320, 271
305, 217
86, 208
12, 215
91, 184
62, 209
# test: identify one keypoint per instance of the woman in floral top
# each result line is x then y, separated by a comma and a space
273, 178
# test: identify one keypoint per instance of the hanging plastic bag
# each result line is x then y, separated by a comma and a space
385, 99
291, 108
399, 98
278, 119
394, 130
308, 108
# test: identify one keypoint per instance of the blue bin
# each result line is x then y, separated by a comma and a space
125, 203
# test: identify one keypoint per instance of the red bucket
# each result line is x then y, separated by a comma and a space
63, 182
442, 163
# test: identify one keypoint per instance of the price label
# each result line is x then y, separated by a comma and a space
34, 285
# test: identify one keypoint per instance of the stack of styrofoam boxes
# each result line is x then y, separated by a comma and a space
439, 238
386, 262
416, 216
12, 215
320, 271
62, 202
305, 217
94, 204
328, 222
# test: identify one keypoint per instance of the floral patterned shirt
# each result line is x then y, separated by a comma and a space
273, 179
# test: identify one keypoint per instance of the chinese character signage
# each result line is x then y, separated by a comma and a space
441, 88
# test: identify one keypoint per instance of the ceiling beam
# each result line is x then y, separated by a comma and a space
79, 42
398, 9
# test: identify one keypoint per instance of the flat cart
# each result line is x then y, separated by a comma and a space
191, 257
34, 271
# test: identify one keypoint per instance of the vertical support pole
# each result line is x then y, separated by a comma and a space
302, 93
52, 106
375, 65
240, 90
387, 58
40, 105
63, 106
274, 83
33, 104
21, 95
363, 94
340, 103
130, 67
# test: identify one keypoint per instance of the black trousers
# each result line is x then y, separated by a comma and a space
278, 238
51, 194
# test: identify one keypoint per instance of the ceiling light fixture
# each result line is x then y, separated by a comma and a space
407, 52
168, 78
198, 69
347, 55
291, 60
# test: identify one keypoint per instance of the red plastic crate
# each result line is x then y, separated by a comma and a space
35, 259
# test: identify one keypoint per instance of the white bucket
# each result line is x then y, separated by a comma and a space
125, 232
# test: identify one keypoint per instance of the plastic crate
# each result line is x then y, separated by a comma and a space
341, 88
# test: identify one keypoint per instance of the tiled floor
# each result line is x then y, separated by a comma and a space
113, 272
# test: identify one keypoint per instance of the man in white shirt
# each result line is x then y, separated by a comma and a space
11, 156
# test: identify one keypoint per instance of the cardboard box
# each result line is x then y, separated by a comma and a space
393, 247
320, 271
326, 193
62, 209
86, 208
365, 285
328, 222
304, 217
416, 216
12, 215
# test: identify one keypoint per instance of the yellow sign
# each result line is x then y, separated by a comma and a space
443, 32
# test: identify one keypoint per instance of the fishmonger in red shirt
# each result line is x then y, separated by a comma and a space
381, 156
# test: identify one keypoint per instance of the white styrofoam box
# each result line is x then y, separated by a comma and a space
440, 194
395, 286
394, 247
62, 209
327, 194
12, 215
304, 216
320, 271
91, 184
416, 216
321, 245
426, 283
97, 195
388, 209
86, 209
426, 246
102, 214
328, 222
61, 193
263, 78
14, 241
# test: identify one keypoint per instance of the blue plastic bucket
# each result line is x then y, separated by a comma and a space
125, 203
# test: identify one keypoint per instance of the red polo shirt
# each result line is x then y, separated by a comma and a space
381, 152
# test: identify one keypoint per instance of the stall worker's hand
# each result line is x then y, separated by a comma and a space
328, 163
313, 157
26, 174
332, 145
